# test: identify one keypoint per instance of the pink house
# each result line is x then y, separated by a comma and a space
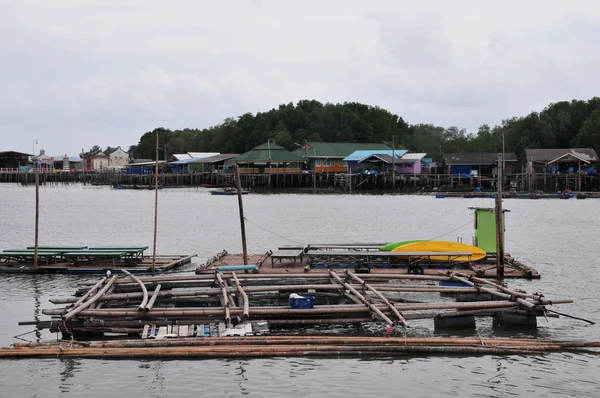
410, 163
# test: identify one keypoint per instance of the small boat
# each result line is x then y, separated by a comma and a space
442, 247
227, 191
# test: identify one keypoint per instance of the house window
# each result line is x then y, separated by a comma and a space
318, 162
326, 163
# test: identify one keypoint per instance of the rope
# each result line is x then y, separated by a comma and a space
449, 232
274, 233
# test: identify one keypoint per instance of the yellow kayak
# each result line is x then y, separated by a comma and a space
444, 247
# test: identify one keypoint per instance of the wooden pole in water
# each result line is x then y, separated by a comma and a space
37, 213
155, 208
241, 206
499, 222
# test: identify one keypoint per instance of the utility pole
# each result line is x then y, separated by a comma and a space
499, 224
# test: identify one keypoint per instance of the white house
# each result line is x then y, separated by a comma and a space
117, 158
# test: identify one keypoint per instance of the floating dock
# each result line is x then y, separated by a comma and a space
362, 257
87, 260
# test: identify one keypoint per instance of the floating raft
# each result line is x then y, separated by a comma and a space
293, 346
365, 257
132, 304
86, 260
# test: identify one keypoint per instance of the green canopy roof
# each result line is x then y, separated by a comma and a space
267, 152
337, 149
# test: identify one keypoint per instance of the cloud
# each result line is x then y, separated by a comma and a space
101, 72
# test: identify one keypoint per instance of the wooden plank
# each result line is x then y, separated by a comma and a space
89, 254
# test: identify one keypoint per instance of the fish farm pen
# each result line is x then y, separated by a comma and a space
87, 260
229, 314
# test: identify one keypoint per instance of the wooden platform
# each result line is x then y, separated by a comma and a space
291, 259
98, 265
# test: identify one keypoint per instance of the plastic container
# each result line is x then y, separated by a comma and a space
302, 303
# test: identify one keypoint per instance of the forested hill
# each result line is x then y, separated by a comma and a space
560, 125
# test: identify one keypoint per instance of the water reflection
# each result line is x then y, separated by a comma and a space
69, 367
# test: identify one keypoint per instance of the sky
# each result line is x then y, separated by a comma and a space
78, 73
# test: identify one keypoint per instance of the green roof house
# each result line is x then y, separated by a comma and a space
268, 158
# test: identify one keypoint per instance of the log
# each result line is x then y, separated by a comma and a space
91, 301
150, 304
246, 310
89, 292
142, 286
363, 299
380, 296
225, 298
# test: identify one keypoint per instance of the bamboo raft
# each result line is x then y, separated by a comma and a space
131, 304
294, 346
360, 257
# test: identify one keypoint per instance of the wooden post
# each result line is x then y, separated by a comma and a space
37, 214
499, 224
155, 207
238, 184
394, 162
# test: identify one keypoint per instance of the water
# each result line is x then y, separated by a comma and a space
556, 236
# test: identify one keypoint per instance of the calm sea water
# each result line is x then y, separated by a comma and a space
558, 237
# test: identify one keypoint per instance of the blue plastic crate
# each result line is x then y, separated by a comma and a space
307, 302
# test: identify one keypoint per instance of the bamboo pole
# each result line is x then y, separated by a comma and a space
312, 275
380, 296
142, 286
155, 208
499, 221
363, 299
89, 292
150, 304
91, 301
535, 296
37, 215
317, 350
273, 288
274, 340
241, 207
225, 298
246, 311
494, 292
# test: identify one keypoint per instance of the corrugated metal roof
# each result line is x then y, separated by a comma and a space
181, 156
360, 155
219, 158
201, 155
413, 156
267, 152
547, 155
336, 150
472, 158
386, 159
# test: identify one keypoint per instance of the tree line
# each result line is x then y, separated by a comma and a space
560, 125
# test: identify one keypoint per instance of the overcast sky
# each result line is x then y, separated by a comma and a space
75, 73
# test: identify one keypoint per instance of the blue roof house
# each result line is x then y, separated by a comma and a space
355, 159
